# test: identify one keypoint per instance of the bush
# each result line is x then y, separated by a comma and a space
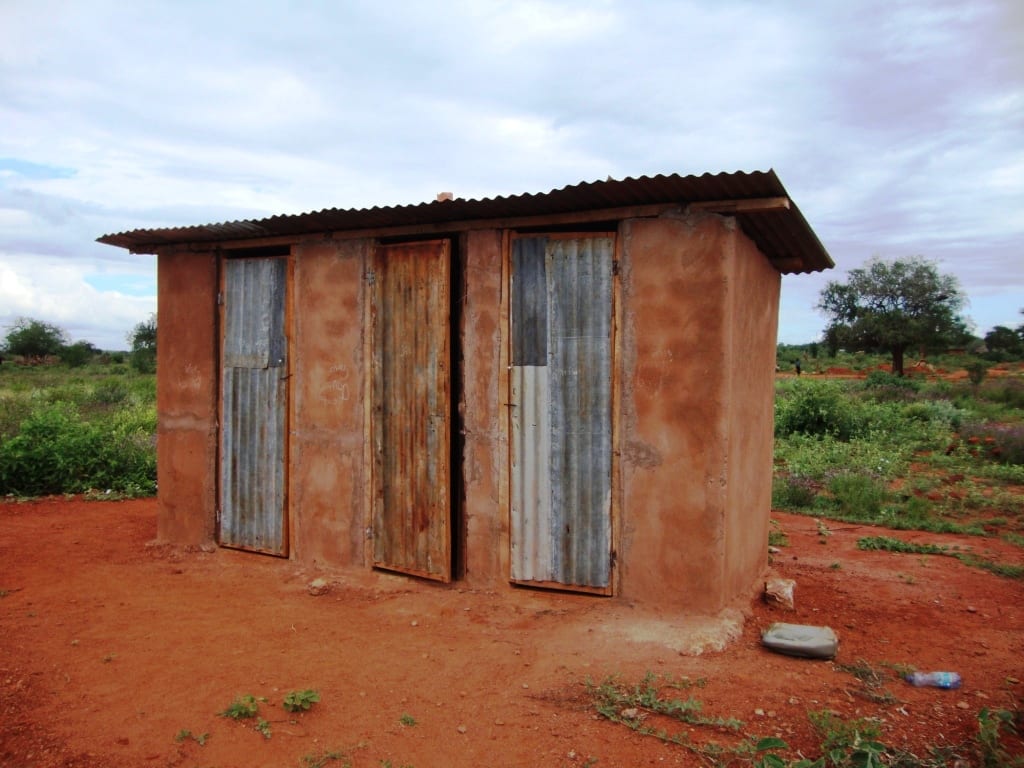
938, 412
1000, 442
883, 387
820, 409
1008, 391
793, 492
78, 354
976, 372
56, 451
110, 392
859, 496
144, 361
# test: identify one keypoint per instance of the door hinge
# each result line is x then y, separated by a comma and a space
371, 276
220, 298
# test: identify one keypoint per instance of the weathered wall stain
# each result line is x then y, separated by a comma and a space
640, 454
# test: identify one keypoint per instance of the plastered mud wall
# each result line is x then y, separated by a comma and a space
186, 396
754, 318
327, 479
689, 418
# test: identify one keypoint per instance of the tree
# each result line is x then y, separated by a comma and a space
34, 338
77, 354
892, 306
1004, 340
143, 341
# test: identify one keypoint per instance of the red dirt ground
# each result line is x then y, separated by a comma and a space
110, 646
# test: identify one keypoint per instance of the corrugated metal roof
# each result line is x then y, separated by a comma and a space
783, 234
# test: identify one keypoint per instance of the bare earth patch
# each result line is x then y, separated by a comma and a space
110, 648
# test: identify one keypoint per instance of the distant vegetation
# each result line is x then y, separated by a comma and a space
74, 419
942, 451
894, 306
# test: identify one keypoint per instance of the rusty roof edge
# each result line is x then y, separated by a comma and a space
797, 239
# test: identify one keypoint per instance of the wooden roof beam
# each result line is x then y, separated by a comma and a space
750, 205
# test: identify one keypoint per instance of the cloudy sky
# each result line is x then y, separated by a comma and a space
897, 126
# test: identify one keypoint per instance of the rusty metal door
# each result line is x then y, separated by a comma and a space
412, 409
254, 406
561, 414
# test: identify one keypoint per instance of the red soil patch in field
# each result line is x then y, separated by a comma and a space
110, 646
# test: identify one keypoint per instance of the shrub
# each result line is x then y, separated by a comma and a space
938, 412
976, 372
13, 411
1000, 442
820, 409
793, 492
56, 451
859, 496
110, 392
1008, 391
78, 354
884, 386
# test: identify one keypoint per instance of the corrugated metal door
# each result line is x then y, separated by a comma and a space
561, 326
254, 406
412, 412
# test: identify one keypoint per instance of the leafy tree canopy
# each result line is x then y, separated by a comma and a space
34, 338
78, 354
143, 341
1005, 340
892, 306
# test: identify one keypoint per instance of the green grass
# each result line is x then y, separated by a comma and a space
895, 452
841, 743
889, 544
87, 430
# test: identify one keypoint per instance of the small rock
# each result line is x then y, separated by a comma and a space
971, 609
963, 705
462, 729
759, 712
630, 713
773, 550
779, 592
318, 587
414, 623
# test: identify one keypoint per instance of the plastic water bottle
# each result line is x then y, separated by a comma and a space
934, 679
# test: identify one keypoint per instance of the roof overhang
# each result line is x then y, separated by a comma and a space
757, 200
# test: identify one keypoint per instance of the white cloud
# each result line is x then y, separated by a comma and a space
896, 127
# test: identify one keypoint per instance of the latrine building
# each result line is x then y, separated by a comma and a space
568, 390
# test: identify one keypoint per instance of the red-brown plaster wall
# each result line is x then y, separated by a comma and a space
187, 396
486, 450
326, 473
673, 426
700, 315
754, 312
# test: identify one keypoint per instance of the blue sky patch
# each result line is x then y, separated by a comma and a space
34, 171
127, 284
